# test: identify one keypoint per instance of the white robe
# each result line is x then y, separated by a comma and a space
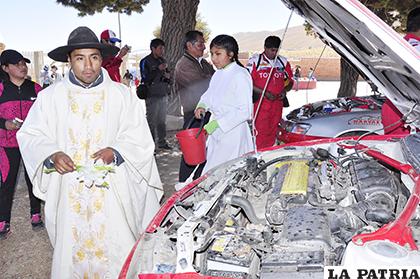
92, 229
229, 99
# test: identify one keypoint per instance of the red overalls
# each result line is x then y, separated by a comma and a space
271, 108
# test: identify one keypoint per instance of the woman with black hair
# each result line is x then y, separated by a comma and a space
17, 94
229, 99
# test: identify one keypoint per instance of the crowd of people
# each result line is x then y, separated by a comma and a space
88, 146
49, 76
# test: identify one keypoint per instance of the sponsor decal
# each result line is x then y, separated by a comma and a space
275, 74
365, 120
341, 272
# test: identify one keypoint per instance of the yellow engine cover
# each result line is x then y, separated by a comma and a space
296, 178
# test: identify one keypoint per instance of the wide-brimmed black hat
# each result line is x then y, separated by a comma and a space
82, 37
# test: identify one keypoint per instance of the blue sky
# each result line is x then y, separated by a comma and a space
43, 24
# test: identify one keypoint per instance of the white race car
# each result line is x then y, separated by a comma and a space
341, 117
289, 211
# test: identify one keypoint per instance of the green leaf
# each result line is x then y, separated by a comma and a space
90, 7
48, 171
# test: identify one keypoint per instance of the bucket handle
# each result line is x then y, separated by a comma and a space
201, 125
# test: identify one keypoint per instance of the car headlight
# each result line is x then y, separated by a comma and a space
298, 128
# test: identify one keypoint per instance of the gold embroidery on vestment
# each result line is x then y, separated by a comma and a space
87, 205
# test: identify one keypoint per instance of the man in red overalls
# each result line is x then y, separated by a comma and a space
279, 82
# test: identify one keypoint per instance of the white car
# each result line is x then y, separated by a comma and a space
341, 117
289, 211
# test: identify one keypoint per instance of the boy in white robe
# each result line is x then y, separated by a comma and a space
89, 152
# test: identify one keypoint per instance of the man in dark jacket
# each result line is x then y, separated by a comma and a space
155, 74
192, 77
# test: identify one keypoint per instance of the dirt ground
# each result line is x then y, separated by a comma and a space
28, 254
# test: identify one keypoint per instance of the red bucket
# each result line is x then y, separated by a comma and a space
193, 149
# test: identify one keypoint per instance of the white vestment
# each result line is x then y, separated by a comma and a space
92, 229
229, 99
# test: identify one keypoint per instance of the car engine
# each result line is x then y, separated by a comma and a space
292, 214
344, 104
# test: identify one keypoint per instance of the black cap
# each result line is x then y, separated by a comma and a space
11, 56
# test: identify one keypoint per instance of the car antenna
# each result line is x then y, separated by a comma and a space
254, 118
313, 72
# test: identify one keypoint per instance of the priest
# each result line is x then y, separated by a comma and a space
89, 153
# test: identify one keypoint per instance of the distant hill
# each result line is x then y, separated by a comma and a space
296, 39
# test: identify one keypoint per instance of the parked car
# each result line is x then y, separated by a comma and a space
289, 211
341, 117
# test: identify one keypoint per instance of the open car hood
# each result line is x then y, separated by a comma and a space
364, 40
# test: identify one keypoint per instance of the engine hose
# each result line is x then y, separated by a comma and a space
246, 206
264, 166
381, 216
270, 180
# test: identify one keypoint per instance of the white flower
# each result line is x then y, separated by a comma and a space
93, 174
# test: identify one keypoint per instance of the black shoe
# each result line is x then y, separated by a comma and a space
165, 146
36, 221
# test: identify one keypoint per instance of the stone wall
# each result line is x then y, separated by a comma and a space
327, 68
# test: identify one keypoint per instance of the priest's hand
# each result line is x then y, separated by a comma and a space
106, 154
62, 162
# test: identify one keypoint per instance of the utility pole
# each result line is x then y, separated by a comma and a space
119, 28
124, 64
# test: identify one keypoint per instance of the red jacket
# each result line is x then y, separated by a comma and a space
112, 65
